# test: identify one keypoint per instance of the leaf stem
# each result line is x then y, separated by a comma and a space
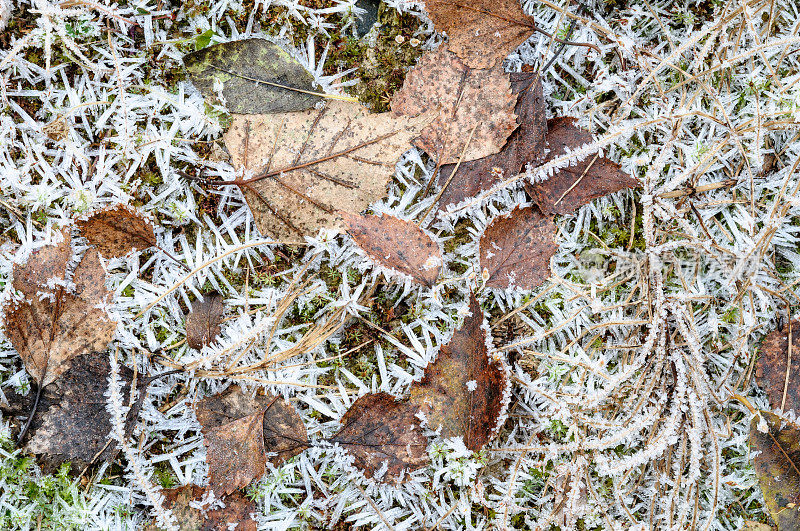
24, 429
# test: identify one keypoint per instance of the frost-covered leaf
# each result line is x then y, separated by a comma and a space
384, 436
525, 145
117, 230
397, 244
309, 165
204, 322
515, 250
778, 468
773, 362
248, 71
50, 326
465, 391
239, 429
238, 513
574, 186
366, 20
462, 98
481, 32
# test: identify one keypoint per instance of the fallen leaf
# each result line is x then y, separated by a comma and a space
365, 21
204, 322
463, 99
237, 514
49, 329
525, 145
117, 230
772, 365
239, 429
778, 468
465, 391
384, 435
397, 244
515, 250
248, 71
481, 32
311, 164
568, 189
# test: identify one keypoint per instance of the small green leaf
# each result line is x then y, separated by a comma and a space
203, 40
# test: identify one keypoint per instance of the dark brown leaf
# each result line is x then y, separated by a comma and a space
397, 244
204, 322
383, 433
568, 189
773, 364
45, 268
515, 250
465, 391
239, 511
462, 99
526, 144
778, 468
117, 230
238, 429
481, 32
48, 332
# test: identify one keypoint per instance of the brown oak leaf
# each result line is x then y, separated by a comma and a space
384, 435
462, 99
238, 513
525, 145
481, 32
240, 429
773, 363
397, 244
204, 322
515, 250
310, 165
572, 187
117, 230
465, 391
53, 324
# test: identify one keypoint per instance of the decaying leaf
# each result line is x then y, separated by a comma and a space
515, 250
310, 165
778, 468
774, 362
463, 99
204, 322
570, 188
71, 422
384, 436
481, 32
54, 324
117, 230
239, 429
465, 391
397, 244
525, 145
238, 513
248, 71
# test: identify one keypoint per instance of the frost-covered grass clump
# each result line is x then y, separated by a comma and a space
624, 363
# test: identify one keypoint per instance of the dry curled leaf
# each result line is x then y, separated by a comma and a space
238, 513
204, 322
54, 323
481, 32
248, 71
397, 244
240, 429
117, 230
574, 186
310, 165
778, 467
384, 436
525, 145
465, 391
515, 250
773, 364
463, 99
